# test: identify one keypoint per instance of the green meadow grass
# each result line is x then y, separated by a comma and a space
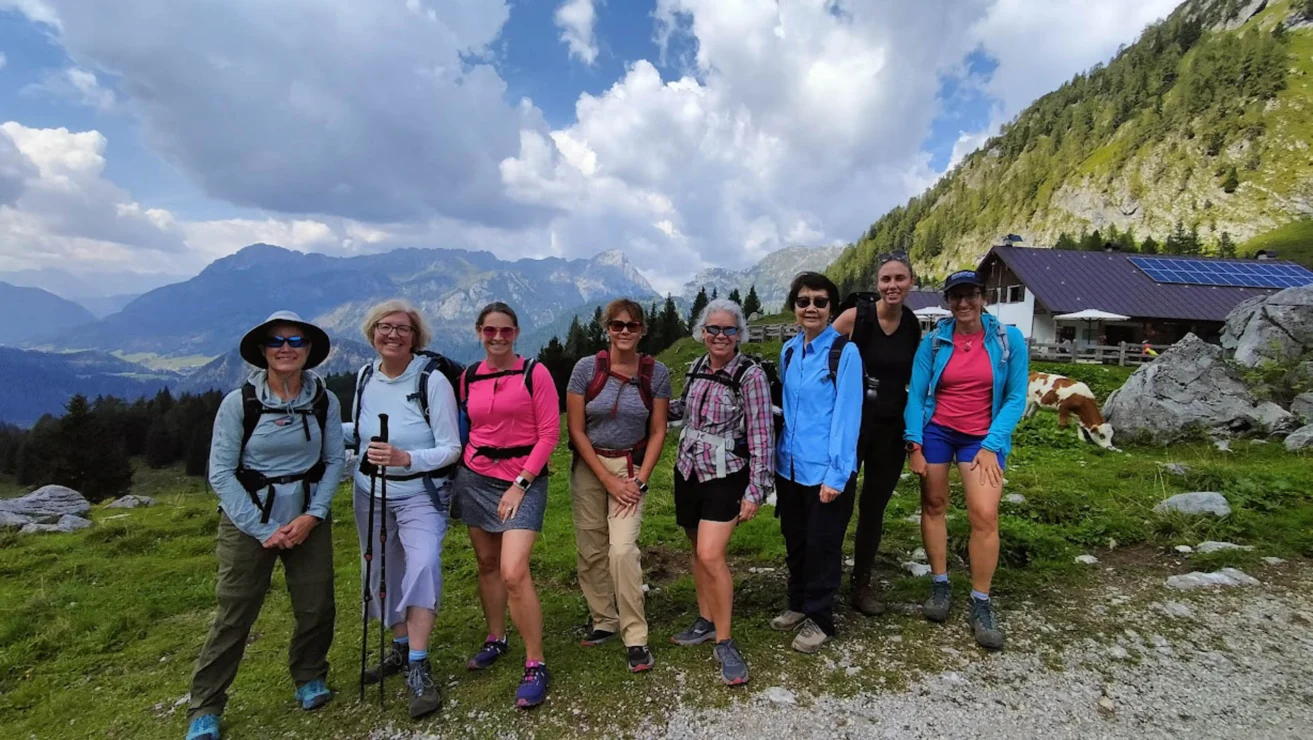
99, 629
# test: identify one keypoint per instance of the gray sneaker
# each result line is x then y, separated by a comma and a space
699, 632
810, 638
988, 635
787, 621
733, 668
936, 607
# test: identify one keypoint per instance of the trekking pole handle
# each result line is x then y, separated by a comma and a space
383, 427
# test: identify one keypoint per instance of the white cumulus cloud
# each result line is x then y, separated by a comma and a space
576, 19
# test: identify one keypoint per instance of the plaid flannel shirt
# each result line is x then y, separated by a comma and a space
717, 409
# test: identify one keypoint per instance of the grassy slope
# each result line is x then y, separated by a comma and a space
98, 629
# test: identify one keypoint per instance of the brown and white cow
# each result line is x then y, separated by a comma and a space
1066, 396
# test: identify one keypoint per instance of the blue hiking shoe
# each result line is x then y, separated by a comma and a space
313, 695
487, 655
204, 727
702, 630
533, 687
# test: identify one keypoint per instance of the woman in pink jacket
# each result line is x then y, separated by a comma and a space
501, 488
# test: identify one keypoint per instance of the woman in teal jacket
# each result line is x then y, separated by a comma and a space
967, 394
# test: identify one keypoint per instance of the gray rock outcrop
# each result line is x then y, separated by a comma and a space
1190, 390
1200, 502
66, 523
44, 506
1302, 408
1223, 577
1278, 326
1301, 439
130, 502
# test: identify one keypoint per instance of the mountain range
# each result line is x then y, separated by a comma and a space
34, 314
1202, 126
36, 383
102, 292
771, 276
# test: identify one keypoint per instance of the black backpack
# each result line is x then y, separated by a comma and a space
253, 480
450, 369
470, 376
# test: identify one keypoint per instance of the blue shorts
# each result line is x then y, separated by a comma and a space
940, 444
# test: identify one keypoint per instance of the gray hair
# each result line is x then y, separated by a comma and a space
722, 305
419, 339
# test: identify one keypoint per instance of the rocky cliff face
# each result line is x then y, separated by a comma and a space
771, 276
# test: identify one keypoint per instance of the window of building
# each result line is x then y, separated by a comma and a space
1016, 294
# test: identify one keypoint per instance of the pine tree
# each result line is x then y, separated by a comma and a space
87, 457
734, 296
559, 364
1230, 179
198, 451
752, 304
159, 444
1092, 242
576, 341
1178, 241
1065, 241
1226, 247
672, 326
715, 293
1149, 246
598, 339
699, 302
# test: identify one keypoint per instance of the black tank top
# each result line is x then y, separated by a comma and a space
888, 358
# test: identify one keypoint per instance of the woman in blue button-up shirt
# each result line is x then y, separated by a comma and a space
816, 458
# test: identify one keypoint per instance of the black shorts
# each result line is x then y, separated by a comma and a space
715, 500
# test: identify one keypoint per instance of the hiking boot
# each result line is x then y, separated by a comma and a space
787, 621
936, 607
733, 668
864, 602
394, 662
810, 638
988, 635
533, 686
699, 632
596, 637
640, 659
425, 697
488, 654
313, 695
204, 727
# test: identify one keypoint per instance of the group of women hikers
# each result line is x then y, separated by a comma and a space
856, 387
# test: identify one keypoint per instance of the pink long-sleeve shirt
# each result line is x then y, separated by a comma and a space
503, 414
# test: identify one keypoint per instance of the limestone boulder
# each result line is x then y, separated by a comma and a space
1301, 439
1302, 408
130, 502
47, 504
1277, 326
66, 523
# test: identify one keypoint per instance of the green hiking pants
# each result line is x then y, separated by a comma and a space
245, 568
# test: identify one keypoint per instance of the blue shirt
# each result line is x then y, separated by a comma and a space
822, 417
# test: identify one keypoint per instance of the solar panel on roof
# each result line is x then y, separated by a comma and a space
1232, 273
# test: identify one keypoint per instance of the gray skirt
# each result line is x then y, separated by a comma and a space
475, 497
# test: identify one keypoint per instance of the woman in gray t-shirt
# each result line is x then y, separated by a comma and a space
616, 407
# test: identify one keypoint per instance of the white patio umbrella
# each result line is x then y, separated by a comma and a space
932, 312
1091, 314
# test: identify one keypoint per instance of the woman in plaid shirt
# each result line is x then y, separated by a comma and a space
724, 471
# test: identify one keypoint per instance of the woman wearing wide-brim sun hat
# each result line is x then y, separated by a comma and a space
275, 462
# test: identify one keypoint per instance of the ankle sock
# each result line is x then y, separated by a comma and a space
979, 596
494, 638
535, 664
939, 577
402, 641
418, 655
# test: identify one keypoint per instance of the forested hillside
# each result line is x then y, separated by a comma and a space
1201, 127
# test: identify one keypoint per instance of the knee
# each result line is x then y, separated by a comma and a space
623, 552
489, 564
983, 518
934, 503
710, 556
515, 576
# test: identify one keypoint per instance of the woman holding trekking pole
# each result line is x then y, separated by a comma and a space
275, 462
414, 459
501, 488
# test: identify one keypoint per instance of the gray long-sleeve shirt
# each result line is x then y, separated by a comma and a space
277, 447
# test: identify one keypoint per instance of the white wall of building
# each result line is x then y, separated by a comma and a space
1045, 329
1020, 314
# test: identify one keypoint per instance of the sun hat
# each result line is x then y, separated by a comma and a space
252, 351
963, 277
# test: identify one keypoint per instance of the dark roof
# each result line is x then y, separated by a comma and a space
1065, 281
919, 299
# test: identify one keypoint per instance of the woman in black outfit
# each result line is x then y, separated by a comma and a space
888, 343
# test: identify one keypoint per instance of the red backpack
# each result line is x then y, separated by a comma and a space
602, 372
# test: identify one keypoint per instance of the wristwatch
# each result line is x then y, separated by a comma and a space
911, 447
522, 483
642, 485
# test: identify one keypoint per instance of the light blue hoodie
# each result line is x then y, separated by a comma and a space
1010, 380
275, 449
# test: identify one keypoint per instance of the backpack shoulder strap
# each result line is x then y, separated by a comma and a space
366, 373
646, 370
788, 357
528, 375
836, 355
252, 409
601, 371
422, 382
466, 378
320, 406
1003, 340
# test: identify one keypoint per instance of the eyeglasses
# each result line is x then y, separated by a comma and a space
619, 326
808, 301
402, 330
491, 332
729, 331
899, 255
960, 297
295, 342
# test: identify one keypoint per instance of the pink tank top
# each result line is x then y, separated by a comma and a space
964, 398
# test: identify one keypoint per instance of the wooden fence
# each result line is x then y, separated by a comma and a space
1124, 353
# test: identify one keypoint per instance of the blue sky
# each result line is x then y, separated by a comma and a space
687, 132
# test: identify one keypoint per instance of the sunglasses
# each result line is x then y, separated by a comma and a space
959, 297
402, 330
296, 342
491, 332
618, 326
729, 331
808, 301
899, 255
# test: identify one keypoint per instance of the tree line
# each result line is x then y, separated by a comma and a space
1181, 241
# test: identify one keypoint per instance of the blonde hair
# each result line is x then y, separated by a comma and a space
419, 338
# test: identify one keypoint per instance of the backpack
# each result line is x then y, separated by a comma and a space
449, 368
602, 373
734, 383
253, 480
470, 376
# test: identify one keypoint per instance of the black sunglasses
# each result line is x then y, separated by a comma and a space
618, 326
729, 331
808, 301
296, 342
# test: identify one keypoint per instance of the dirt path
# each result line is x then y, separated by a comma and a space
1138, 660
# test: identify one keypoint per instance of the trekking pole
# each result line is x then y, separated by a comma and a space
365, 590
383, 557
